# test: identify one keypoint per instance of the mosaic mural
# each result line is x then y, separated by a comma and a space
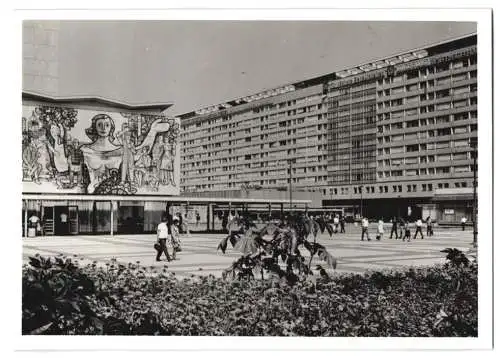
67, 150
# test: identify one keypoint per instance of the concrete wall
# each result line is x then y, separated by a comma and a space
40, 56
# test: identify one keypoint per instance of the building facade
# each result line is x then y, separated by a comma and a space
77, 153
390, 137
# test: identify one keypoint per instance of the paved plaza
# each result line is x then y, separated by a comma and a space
199, 255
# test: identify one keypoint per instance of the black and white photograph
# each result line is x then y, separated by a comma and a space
264, 177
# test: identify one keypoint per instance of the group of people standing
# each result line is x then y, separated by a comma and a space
339, 220
404, 226
398, 225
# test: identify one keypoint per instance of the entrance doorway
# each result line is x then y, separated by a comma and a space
131, 219
60, 220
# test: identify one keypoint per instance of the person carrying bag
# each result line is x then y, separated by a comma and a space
163, 234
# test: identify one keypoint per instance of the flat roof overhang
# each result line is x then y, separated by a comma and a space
163, 198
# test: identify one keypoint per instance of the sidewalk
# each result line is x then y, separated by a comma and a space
199, 255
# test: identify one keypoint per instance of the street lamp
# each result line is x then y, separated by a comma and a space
473, 145
290, 184
361, 201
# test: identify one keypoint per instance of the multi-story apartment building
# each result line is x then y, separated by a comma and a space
390, 137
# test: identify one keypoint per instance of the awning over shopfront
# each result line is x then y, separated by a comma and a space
453, 194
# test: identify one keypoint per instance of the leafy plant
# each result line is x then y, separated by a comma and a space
456, 257
56, 298
262, 249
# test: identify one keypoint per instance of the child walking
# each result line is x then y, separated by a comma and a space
407, 231
380, 229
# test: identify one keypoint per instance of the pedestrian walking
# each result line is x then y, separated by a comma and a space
406, 226
163, 234
463, 221
401, 227
380, 229
428, 222
342, 224
175, 241
336, 223
197, 219
364, 229
394, 227
418, 224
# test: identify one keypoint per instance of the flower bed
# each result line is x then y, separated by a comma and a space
60, 297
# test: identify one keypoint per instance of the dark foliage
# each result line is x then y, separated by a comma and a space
456, 257
60, 297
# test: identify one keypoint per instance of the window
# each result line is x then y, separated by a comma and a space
442, 170
442, 67
460, 156
440, 145
412, 124
459, 90
442, 106
396, 90
458, 104
442, 93
443, 157
412, 160
460, 130
397, 114
395, 150
459, 77
461, 143
443, 131
412, 148
461, 169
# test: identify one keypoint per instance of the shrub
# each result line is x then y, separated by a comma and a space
59, 297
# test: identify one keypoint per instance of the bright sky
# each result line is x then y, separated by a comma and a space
195, 64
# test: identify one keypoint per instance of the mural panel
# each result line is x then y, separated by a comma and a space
69, 150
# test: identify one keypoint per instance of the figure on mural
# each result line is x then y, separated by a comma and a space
103, 155
167, 163
61, 164
31, 167
75, 156
128, 153
37, 135
157, 152
141, 166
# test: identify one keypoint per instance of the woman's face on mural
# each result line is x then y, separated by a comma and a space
103, 127
55, 131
